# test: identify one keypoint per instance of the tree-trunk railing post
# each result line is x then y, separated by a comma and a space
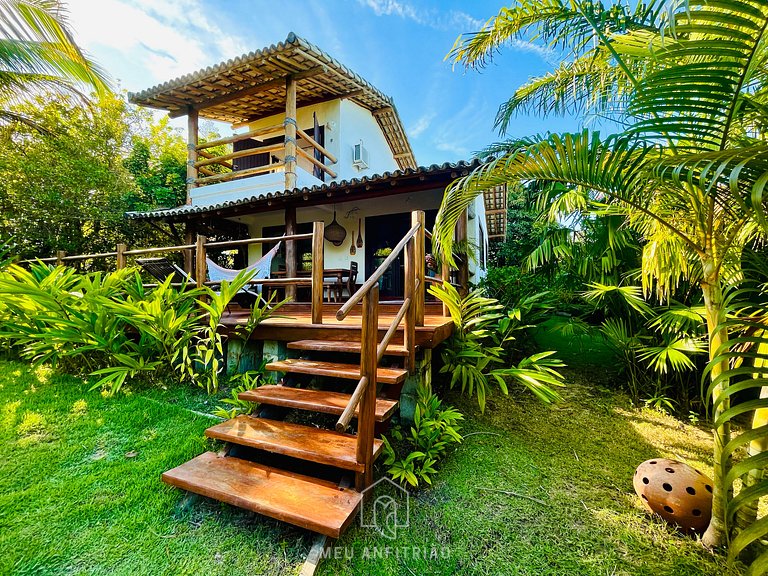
411, 276
291, 258
367, 408
192, 141
201, 267
463, 264
318, 266
60, 254
418, 295
445, 276
121, 260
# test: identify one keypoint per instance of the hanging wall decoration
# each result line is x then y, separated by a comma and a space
335, 232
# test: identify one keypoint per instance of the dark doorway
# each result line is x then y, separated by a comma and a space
382, 233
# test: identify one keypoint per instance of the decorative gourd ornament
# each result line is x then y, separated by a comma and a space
678, 493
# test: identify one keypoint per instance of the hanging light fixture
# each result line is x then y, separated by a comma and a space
335, 232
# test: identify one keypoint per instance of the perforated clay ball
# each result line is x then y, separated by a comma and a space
678, 493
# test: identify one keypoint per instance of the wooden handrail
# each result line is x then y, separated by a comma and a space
317, 146
205, 154
343, 423
316, 162
238, 137
373, 279
239, 173
239, 154
246, 241
382, 348
141, 251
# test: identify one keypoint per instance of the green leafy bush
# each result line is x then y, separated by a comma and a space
108, 326
482, 347
435, 428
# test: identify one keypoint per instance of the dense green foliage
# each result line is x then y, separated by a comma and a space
482, 348
107, 325
435, 428
69, 186
689, 172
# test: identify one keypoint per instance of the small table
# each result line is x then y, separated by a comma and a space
337, 273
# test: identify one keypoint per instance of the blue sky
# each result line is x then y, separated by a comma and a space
397, 45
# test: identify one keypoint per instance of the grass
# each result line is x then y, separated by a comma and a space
81, 491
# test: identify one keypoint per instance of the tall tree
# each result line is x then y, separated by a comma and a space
689, 171
38, 53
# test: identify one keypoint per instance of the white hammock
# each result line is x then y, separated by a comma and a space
263, 267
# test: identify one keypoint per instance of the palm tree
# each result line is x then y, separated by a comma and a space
38, 53
689, 170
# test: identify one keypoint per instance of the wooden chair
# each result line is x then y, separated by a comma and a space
351, 281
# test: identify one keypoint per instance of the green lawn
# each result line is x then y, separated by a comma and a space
81, 492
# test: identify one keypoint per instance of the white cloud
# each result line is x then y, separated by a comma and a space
455, 20
161, 38
451, 20
421, 125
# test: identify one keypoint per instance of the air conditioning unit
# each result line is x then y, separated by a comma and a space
359, 156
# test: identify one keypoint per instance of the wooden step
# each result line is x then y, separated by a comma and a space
310, 503
335, 370
295, 440
340, 346
315, 400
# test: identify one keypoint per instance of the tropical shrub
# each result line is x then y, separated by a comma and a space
481, 348
686, 82
435, 428
106, 325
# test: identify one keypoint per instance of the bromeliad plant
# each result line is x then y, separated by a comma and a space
481, 348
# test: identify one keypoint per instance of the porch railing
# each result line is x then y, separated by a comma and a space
206, 160
199, 272
372, 350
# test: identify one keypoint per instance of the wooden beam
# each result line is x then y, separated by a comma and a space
244, 136
121, 248
239, 154
192, 134
224, 176
461, 236
318, 266
253, 89
366, 418
201, 266
290, 250
290, 133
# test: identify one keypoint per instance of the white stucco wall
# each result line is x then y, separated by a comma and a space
348, 214
338, 256
345, 123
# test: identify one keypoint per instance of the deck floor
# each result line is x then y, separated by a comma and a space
295, 323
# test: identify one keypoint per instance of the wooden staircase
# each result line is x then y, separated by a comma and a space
298, 490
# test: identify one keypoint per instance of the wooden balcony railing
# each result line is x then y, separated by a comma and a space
196, 254
226, 171
372, 350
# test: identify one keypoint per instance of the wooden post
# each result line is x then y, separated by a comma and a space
290, 133
60, 254
189, 238
121, 260
367, 410
290, 250
192, 136
318, 265
420, 265
461, 236
445, 275
411, 273
201, 267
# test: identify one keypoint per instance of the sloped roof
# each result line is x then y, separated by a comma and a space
252, 86
424, 177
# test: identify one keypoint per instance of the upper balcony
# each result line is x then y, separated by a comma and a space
266, 92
